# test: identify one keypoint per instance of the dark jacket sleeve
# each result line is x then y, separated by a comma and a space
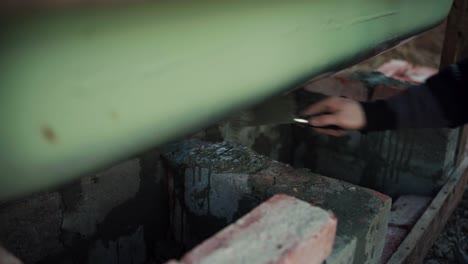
441, 102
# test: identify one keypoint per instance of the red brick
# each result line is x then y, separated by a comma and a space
339, 86
420, 74
404, 71
382, 196
395, 236
383, 91
407, 209
395, 68
280, 230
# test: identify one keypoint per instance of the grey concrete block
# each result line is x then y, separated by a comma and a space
225, 192
124, 250
99, 195
343, 251
30, 228
362, 213
118, 214
246, 179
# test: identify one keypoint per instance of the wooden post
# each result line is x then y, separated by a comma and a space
455, 49
456, 36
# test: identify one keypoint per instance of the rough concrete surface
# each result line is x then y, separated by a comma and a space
126, 249
218, 157
100, 194
30, 228
362, 213
343, 251
225, 192
116, 216
270, 140
281, 230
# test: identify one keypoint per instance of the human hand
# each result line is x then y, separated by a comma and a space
342, 112
7, 258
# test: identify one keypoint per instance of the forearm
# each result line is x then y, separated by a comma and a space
440, 102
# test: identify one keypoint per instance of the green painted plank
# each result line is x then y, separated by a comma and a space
84, 88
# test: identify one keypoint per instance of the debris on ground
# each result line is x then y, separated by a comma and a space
452, 244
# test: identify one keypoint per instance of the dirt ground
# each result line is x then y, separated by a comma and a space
452, 244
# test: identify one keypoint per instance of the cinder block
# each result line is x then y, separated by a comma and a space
281, 230
30, 228
407, 209
99, 195
111, 217
343, 252
362, 213
124, 249
215, 184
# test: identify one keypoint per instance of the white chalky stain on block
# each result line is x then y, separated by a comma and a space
215, 194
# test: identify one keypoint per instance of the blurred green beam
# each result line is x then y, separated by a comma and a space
81, 89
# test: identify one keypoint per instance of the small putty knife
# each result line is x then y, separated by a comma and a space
306, 121
275, 111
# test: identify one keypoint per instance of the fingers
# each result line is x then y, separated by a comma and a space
7, 257
324, 120
331, 132
324, 106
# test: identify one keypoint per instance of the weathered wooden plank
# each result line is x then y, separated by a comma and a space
418, 242
456, 36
